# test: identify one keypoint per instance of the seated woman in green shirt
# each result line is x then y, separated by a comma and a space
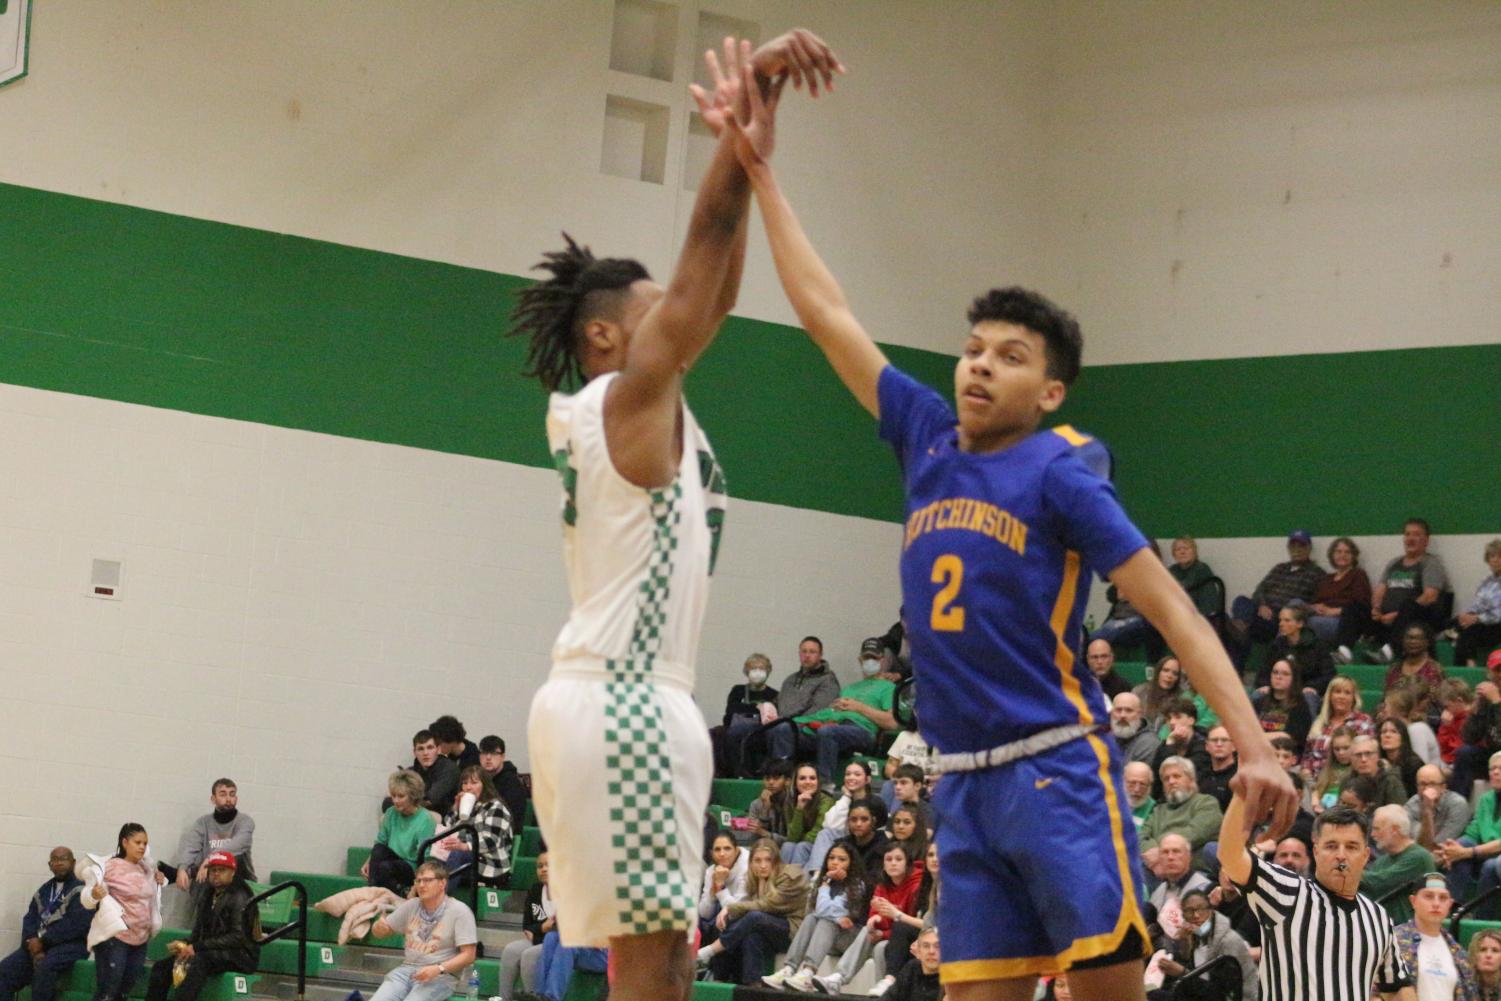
403, 828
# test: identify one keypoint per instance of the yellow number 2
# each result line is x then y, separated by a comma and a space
948, 617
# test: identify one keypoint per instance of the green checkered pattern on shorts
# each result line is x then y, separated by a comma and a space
649, 885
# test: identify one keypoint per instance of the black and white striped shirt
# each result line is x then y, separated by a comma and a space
1317, 945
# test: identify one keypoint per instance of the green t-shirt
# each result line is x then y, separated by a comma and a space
1388, 872
404, 835
874, 692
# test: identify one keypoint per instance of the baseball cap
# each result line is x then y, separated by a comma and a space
220, 858
873, 646
1494, 660
1300, 535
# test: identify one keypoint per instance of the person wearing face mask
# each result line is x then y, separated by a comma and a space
742, 714
848, 726
225, 829
1204, 937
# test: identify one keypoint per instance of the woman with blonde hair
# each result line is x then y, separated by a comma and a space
754, 930
1485, 958
403, 828
1341, 709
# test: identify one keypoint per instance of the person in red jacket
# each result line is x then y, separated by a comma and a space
895, 891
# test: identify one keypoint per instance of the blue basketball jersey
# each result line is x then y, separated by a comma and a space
995, 567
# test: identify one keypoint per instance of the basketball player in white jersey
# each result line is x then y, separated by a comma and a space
620, 756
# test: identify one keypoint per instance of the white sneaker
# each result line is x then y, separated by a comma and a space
779, 978
830, 984
801, 981
882, 986
1385, 653
1343, 655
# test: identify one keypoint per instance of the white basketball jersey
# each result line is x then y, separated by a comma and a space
638, 560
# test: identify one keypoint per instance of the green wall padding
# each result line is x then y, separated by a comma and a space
144, 307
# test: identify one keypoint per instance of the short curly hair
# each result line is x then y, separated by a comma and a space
1064, 344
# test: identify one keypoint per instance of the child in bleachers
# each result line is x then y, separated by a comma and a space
770, 811
538, 917
1454, 697
755, 929
836, 822
900, 947
838, 897
809, 806
724, 882
866, 821
906, 829
1326, 786
907, 789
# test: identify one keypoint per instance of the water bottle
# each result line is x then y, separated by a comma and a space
1088, 624
473, 983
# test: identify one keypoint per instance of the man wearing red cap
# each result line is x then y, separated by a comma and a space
223, 938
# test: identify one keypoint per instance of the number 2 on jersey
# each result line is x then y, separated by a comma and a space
948, 617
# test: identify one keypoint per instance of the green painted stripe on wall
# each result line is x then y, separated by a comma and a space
144, 307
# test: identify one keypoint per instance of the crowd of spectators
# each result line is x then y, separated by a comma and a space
836, 862
111, 906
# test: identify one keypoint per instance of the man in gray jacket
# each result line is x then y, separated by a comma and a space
1438, 815
812, 687
226, 829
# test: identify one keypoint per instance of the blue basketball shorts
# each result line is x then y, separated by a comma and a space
1039, 864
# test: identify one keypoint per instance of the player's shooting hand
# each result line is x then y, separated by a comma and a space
717, 105
800, 55
754, 119
1267, 793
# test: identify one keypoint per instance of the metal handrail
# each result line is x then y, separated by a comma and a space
297, 924
1206, 969
762, 731
473, 863
1396, 891
1469, 906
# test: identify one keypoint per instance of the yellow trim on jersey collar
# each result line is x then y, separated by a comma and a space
1068, 434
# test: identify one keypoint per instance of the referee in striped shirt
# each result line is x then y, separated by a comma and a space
1321, 940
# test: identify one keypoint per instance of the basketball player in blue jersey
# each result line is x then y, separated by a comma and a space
1004, 525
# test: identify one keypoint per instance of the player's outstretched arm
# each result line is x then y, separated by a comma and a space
641, 408
1265, 789
816, 297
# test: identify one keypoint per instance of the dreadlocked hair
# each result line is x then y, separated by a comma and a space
552, 313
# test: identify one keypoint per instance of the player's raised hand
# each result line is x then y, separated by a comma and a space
801, 55
1268, 795
714, 106
754, 119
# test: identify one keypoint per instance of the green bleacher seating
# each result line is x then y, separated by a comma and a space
529, 843
79, 981
1469, 926
524, 873
1132, 670
276, 910
354, 859
737, 794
